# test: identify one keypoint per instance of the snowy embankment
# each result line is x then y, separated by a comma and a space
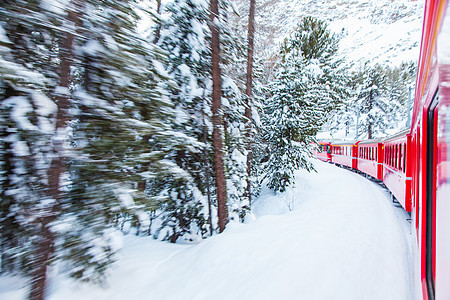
335, 236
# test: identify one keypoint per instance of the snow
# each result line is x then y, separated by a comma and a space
383, 31
390, 44
57, 7
20, 108
3, 38
336, 235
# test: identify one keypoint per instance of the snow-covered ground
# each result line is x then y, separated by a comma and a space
336, 235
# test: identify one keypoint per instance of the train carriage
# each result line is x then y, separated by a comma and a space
370, 158
397, 167
430, 132
323, 151
344, 153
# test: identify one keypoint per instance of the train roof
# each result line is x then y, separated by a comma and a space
372, 141
342, 142
400, 134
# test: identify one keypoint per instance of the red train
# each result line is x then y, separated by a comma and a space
415, 164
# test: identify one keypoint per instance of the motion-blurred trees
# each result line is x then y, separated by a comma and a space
84, 117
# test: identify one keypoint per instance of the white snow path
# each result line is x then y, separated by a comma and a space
345, 239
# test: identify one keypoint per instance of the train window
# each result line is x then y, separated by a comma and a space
398, 157
395, 156
390, 155
400, 163
404, 156
387, 155
388, 149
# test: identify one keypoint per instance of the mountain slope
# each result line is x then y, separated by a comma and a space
383, 31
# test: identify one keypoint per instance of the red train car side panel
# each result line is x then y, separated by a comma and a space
370, 158
430, 129
344, 153
442, 148
395, 166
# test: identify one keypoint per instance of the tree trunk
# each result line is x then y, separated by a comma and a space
158, 27
206, 163
217, 118
248, 92
44, 249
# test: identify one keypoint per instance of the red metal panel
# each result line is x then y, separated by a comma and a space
380, 161
343, 154
394, 177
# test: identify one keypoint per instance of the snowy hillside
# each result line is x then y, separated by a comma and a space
381, 31
335, 236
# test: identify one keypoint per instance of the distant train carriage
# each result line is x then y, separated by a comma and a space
397, 167
323, 151
370, 158
344, 153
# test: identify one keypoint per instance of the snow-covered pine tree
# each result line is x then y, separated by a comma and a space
121, 127
399, 81
376, 110
308, 86
184, 35
233, 65
28, 77
319, 46
291, 120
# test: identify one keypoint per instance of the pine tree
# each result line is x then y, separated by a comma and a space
309, 85
104, 93
184, 36
234, 107
293, 116
248, 92
31, 124
373, 102
120, 130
